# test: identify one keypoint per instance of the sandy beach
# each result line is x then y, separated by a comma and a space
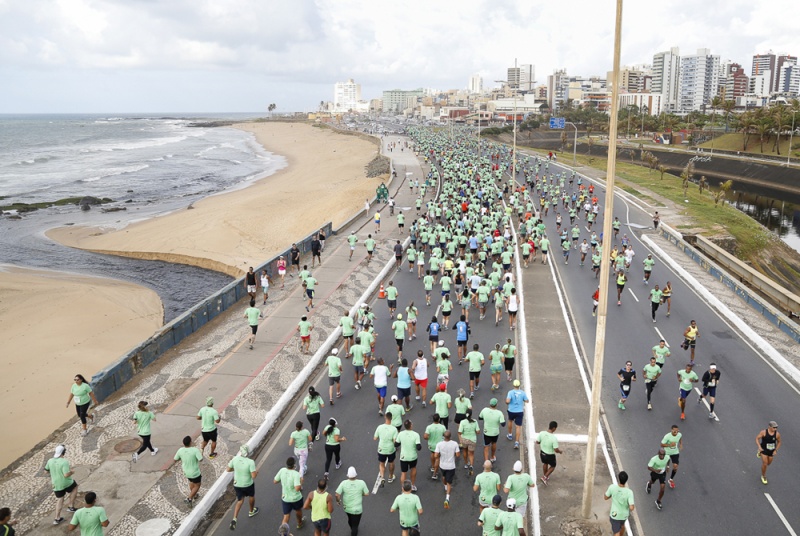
324, 181
45, 342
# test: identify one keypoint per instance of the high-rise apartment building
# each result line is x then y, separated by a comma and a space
780, 62
699, 79
512, 79
557, 89
346, 95
527, 79
737, 83
789, 81
397, 100
666, 74
475, 84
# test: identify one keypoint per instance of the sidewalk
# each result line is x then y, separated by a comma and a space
216, 362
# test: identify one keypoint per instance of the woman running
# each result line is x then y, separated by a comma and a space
301, 440
411, 319
282, 269
312, 404
142, 418
333, 438
82, 392
666, 296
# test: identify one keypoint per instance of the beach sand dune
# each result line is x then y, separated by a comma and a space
56, 325
324, 181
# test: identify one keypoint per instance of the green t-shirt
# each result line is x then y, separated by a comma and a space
672, 442
385, 434
427, 282
440, 352
655, 296
190, 458
475, 361
399, 327
409, 506
242, 471
312, 404
497, 357
304, 275
397, 411
659, 464
408, 440
81, 393
493, 419
462, 404
90, 520
208, 418
548, 442
435, 434
334, 366
446, 282
442, 399
143, 419
357, 351
510, 522
58, 467
686, 379
305, 328
468, 430
517, 485
347, 326
253, 313
300, 438
447, 305
648, 264
352, 493
526, 248
650, 372
487, 483
661, 353
370, 243
352, 239
483, 293
330, 439
311, 283
621, 501
289, 479
391, 293
489, 517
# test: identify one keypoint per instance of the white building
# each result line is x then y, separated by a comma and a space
666, 74
789, 79
653, 102
475, 84
346, 96
557, 87
398, 100
760, 83
699, 80
527, 78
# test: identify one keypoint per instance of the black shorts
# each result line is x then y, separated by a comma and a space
196, 480
392, 304
547, 459
512, 314
462, 343
620, 287
296, 262
249, 491
433, 338
210, 436
661, 477
489, 439
710, 391
406, 465
399, 343
446, 313
459, 417
387, 457
448, 475
60, 493
403, 392
310, 293
676, 458
509, 363
333, 380
474, 375
287, 507
254, 328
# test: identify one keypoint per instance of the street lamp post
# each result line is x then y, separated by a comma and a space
574, 144
791, 136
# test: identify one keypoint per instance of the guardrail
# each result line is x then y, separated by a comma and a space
747, 277
111, 378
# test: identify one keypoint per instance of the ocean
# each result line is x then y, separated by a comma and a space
147, 164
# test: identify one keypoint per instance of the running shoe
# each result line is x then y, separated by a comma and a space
699, 399
424, 404
188, 501
509, 437
446, 504
763, 481
544, 480
671, 483
232, 526
648, 487
516, 444
383, 482
60, 519
338, 465
253, 512
649, 406
155, 451
84, 432
434, 476
471, 395
380, 412
619, 303
317, 437
416, 397
212, 455
302, 522
326, 475
391, 479
413, 489
71, 509
338, 395
683, 416
711, 415
431, 469
658, 504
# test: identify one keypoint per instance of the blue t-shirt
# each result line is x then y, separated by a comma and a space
434, 328
473, 242
403, 378
517, 398
461, 331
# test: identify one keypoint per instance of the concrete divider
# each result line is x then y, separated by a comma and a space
111, 378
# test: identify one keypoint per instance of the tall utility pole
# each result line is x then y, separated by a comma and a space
514, 153
602, 309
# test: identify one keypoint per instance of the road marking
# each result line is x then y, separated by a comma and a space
578, 438
661, 336
633, 294
377, 485
780, 515
708, 407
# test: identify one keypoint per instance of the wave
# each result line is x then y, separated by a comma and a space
31, 161
118, 171
128, 146
207, 149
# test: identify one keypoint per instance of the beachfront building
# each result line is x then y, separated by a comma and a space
789, 79
666, 71
346, 96
398, 100
699, 79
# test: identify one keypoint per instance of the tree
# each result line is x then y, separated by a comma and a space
662, 169
727, 107
271, 108
590, 143
702, 184
746, 123
724, 188
780, 121
686, 176
763, 127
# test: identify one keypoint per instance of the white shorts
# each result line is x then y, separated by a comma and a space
421, 262
281, 271
251, 288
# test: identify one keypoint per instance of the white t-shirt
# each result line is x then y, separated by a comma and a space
447, 454
381, 375
421, 369
513, 304
475, 281
264, 282
629, 253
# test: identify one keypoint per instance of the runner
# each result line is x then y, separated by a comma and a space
352, 240
142, 419
544, 246
294, 256
301, 440
489, 517
266, 280
316, 250
244, 472
6, 523
510, 522
411, 252
434, 433
380, 374
443, 365
399, 327
595, 301
397, 411
512, 306
386, 434
433, 332
666, 296
312, 405
442, 402
58, 468
658, 471
348, 331
463, 404
334, 364
250, 283
252, 314
91, 519
648, 267
310, 284
410, 508
291, 492
304, 328
369, 243
710, 381
81, 392
547, 451
655, 301
377, 220
769, 442
282, 270
496, 357
333, 447
446, 453
468, 431
690, 336
621, 497
476, 361
585, 249
462, 337
656, 220
411, 319
510, 352
350, 496
190, 458
419, 373
672, 443
621, 279
488, 485
409, 443
516, 487
686, 377
661, 353
320, 502
398, 254
209, 419
651, 372
516, 400
447, 308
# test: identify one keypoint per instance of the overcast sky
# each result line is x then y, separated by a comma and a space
240, 55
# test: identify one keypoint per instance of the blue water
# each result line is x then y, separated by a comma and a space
150, 165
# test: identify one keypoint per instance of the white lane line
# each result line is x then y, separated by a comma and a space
377, 485
780, 515
633, 294
661, 337
699, 392
579, 438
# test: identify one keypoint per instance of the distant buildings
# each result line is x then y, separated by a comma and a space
475, 84
699, 80
666, 77
398, 100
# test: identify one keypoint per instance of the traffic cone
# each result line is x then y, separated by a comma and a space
381, 292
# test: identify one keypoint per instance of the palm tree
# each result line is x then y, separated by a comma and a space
763, 126
780, 119
662, 169
727, 107
746, 123
270, 108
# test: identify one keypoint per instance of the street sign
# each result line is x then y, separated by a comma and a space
557, 122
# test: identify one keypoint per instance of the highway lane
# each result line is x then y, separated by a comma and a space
719, 471
357, 415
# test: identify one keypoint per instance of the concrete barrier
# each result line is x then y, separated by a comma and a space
111, 378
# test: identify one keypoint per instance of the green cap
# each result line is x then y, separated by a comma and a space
493, 402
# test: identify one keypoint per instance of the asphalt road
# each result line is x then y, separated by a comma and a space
718, 488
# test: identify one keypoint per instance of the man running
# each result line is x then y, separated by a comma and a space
410, 508
442, 401
621, 280
252, 314
419, 374
710, 381
516, 487
510, 522
334, 364
385, 435
350, 496
408, 441
489, 517
446, 453
399, 327
548, 443
64, 485
658, 471
621, 497
369, 243
398, 254
320, 502
690, 335
391, 298
655, 301
672, 443
475, 360
352, 240
348, 330
434, 433
250, 283
648, 264
661, 353
651, 372
304, 328
686, 377
768, 441
487, 484
244, 472
516, 400
209, 418
380, 374
291, 491
626, 375
316, 250
294, 257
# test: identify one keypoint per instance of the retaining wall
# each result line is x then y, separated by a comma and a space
111, 378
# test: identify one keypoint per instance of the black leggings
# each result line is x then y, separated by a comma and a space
145, 444
653, 308
330, 452
353, 520
649, 388
313, 420
82, 411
